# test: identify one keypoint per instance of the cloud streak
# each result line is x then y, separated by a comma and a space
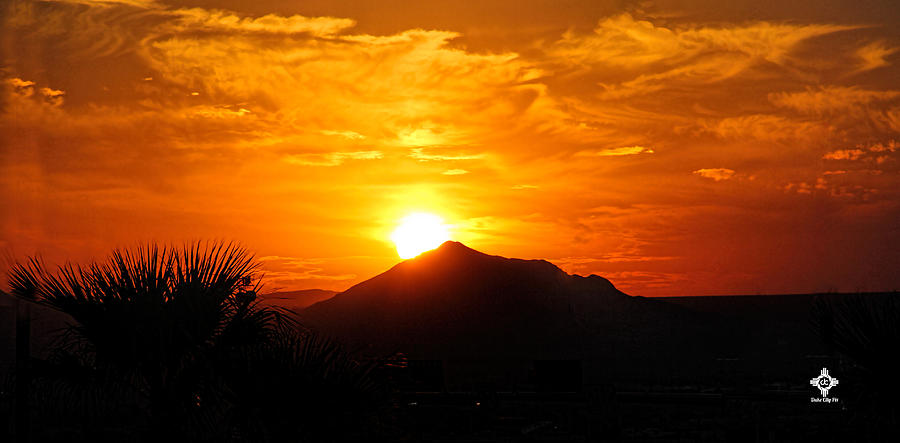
311, 135
717, 174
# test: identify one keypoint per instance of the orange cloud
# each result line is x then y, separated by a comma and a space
874, 55
331, 158
21, 87
421, 155
629, 42
53, 96
717, 174
827, 99
198, 19
310, 136
281, 272
614, 152
695, 55
766, 127
844, 154
878, 152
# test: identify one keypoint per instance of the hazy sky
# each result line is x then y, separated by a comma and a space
674, 147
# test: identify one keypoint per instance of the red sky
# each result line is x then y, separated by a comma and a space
674, 147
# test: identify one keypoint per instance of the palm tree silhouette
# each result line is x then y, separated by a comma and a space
179, 334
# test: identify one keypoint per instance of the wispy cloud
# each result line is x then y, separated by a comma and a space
874, 55
717, 174
312, 134
615, 152
844, 154
455, 172
827, 99
331, 158
21, 87
422, 155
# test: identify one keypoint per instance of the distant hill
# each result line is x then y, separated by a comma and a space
460, 304
296, 299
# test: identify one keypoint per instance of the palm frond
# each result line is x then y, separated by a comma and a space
180, 329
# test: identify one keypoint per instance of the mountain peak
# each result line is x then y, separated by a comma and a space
455, 275
454, 245
454, 257
450, 247
454, 294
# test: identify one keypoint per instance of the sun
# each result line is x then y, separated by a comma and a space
419, 232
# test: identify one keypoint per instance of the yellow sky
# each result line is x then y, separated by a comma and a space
674, 147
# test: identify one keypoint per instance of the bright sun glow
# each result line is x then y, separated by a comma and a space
419, 232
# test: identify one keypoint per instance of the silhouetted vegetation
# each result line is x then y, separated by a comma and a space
172, 343
865, 329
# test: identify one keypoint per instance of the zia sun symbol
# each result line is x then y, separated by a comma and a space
824, 382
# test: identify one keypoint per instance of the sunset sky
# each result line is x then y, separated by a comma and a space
675, 147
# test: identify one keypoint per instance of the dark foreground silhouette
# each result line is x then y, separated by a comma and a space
171, 344
454, 345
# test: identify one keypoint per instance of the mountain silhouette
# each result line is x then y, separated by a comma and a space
457, 303
296, 299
